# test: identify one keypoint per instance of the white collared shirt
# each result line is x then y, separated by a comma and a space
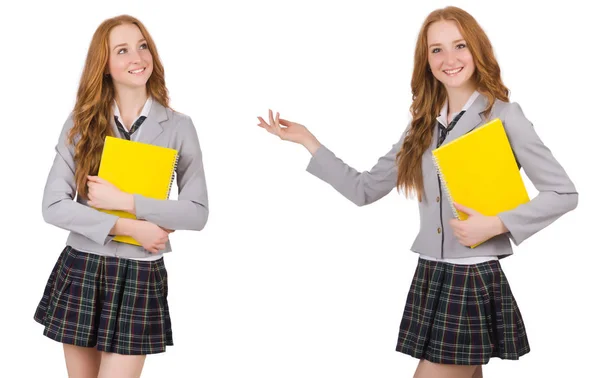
145, 111
443, 117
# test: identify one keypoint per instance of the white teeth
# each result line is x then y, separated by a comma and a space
452, 72
137, 71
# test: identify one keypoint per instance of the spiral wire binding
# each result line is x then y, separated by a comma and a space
445, 187
175, 162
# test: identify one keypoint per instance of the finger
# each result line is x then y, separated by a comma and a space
268, 127
277, 120
275, 125
262, 122
455, 224
464, 209
160, 247
287, 123
96, 179
271, 117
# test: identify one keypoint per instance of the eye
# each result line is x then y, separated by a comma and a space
122, 51
461, 46
436, 50
144, 46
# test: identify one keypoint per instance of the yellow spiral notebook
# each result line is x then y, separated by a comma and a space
479, 170
137, 168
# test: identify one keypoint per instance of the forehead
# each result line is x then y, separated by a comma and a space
443, 32
126, 33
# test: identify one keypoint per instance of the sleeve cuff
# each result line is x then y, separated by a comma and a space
141, 206
317, 161
512, 233
103, 236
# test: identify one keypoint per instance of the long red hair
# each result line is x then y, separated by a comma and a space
95, 96
428, 94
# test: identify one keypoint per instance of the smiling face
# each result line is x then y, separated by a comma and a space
448, 55
130, 61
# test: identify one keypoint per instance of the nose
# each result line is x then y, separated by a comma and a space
135, 56
450, 58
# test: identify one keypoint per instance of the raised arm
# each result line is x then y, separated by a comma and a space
362, 188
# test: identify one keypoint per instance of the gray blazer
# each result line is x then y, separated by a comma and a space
90, 228
557, 194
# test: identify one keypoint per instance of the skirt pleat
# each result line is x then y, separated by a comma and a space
461, 315
115, 305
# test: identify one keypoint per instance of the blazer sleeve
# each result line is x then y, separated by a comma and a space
362, 188
190, 210
58, 206
557, 194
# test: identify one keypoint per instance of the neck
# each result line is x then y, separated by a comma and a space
458, 97
130, 100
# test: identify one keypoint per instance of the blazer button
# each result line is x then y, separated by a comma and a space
437, 199
439, 230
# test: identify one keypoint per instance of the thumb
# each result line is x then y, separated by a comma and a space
287, 123
465, 209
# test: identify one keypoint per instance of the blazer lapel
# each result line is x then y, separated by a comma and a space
151, 126
472, 118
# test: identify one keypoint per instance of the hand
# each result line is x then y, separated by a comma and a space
152, 237
104, 195
477, 228
291, 131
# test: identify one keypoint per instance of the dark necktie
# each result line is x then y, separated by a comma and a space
127, 134
443, 131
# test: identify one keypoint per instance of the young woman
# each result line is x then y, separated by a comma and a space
106, 301
460, 311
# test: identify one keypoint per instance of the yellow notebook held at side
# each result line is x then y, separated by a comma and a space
137, 168
479, 170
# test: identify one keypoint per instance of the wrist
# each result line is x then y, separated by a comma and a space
498, 226
128, 203
125, 226
312, 144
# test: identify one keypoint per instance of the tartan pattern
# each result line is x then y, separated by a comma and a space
116, 305
461, 315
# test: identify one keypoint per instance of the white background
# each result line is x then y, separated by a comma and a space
289, 279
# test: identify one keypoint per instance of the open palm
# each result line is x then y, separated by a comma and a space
286, 130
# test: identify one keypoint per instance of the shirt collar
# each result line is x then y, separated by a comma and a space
443, 117
145, 111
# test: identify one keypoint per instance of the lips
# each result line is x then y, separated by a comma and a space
137, 71
453, 71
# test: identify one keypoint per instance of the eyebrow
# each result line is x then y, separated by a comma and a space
453, 42
125, 44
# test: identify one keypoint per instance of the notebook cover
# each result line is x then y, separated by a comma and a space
137, 168
479, 170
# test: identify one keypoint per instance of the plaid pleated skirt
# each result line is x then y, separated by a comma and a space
115, 305
461, 315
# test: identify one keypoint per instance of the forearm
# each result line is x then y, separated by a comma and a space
73, 216
312, 144
126, 203
172, 214
497, 226
124, 226
531, 217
